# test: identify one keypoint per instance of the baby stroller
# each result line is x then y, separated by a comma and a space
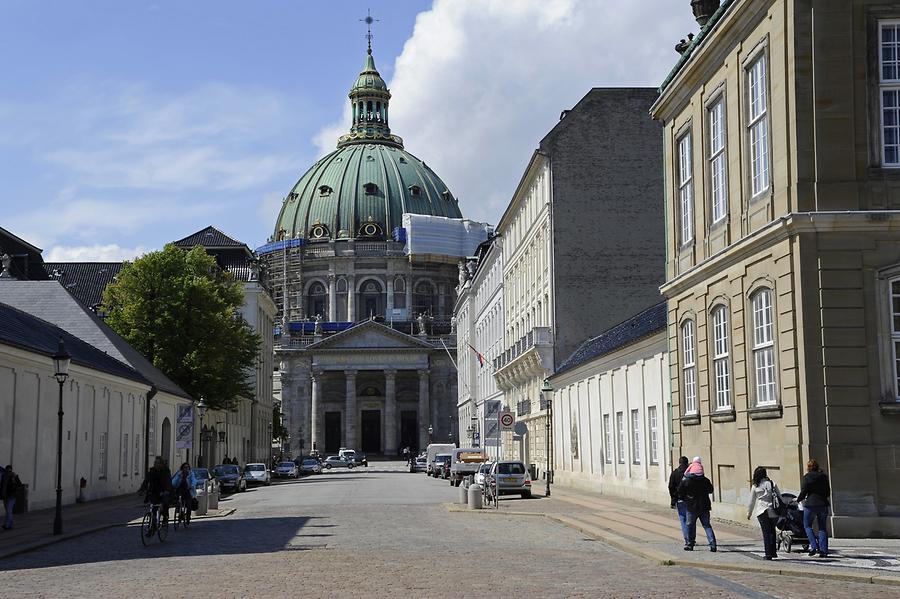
790, 526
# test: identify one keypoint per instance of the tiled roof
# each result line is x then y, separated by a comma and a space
648, 322
210, 237
28, 332
49, 301
84, 280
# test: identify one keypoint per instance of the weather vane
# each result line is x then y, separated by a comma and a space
368, 21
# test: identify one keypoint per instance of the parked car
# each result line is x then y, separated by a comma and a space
465, 462
437, 469
287, 470
257, 474
230, 478
511, 478
310, 465
202, 475
359, 459
483, 471
419, 464
334, 461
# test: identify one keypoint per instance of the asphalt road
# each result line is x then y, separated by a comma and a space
376, 532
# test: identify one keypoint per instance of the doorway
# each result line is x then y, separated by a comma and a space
409, 430
371, 431
166, 445
332, 432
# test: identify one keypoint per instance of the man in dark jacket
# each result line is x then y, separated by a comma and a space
157, 485
694, 490
9, 488
674, 481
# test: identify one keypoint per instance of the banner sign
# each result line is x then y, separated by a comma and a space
184, 435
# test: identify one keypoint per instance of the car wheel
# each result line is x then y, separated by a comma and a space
351, 466
526, 495
327, 466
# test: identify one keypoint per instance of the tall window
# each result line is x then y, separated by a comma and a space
137, 453
620, 433
895, 333
889, 81
151, 429
721, 359
689, 367
764, 348
315, 305
635, 436
608, 445
758, 126
717, 168
686, 188
653, 432
102, 460
125, 461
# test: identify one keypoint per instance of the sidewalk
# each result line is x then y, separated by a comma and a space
653, 532
35, 529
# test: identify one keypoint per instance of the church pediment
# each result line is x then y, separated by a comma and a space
370, 335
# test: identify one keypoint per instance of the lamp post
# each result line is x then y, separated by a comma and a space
430, 433
450, 429
547, 393
61, 361
201, 409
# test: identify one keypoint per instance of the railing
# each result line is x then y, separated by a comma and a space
523, 407
535, 337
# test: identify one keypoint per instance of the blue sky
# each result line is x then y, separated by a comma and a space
124, 125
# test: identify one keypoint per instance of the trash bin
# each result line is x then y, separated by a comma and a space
532, 471
21, 506
474, 497
202, 502
213, 495
463, 495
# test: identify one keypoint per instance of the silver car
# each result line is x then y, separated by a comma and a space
287, 470
310, 466
257, 474
510, 478
334, 461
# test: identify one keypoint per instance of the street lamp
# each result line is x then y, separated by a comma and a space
547, 394
450, 428
61, 361
430, 433
201, 409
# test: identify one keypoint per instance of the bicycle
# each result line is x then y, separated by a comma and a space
182, 513
151, 524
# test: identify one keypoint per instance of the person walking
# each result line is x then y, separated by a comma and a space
762, 505
9, 488
814, 494
676, 504
694, 490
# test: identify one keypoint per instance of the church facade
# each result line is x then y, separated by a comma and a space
365, 350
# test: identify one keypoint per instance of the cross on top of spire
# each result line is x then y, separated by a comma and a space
368, 21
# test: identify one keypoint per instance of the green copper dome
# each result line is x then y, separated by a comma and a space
362, 189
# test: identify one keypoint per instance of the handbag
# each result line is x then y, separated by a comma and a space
778, 505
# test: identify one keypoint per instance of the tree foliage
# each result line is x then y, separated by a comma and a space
278, 429
181, 311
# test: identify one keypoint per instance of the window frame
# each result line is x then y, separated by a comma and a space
759, 57
766, 346
685, 184
608, 439
635, 436
717, 154
887, 85
652, 435
720, 346
689, 347
620, 437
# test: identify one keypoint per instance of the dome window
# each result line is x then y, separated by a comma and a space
371, 189
415, 190
318, 231
292, 197
446, 195
370, 158
324, 190
370, 229
403, 160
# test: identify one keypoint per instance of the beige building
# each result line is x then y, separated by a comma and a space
783, 262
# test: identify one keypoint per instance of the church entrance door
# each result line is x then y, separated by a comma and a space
409, 430
371, 431
332, 432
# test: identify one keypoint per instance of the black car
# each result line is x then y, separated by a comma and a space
230, 478
360, 459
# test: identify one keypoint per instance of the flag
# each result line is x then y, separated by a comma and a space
481, 358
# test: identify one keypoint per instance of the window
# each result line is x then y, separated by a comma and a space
102, 460
137, 453
721, 359
608, 442
635, 437
889, 86
685, 188
653, 431
620, 432
151, 429
758, 126
717, 167
895, 334
689, 367
764, 348
125, 461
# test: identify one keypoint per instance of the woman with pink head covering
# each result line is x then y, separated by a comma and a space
694, 491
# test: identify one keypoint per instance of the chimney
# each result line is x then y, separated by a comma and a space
704, 9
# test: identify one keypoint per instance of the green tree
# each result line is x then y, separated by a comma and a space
278, 430
181, 311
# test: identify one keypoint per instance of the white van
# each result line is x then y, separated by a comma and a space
433, 450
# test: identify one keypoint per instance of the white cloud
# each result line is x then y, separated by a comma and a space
478, 84
93, 253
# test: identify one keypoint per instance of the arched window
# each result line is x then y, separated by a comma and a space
688, 367
764, 348
341, 288
371, 299
315, 305
399, 293
721, 358
424, 298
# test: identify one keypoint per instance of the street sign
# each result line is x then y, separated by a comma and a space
521, 428
476, 435
506, 421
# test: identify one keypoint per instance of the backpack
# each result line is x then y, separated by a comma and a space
778, 505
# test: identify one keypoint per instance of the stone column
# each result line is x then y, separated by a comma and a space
390, 412
316, 428
389, 311
351, 298
350, 411
424, 409
332, 298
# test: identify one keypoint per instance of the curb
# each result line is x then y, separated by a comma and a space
665, 559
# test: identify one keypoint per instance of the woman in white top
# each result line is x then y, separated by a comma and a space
761, 500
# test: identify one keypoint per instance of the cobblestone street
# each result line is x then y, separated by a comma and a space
371, 532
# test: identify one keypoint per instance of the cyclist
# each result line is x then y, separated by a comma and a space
156, 486
185, 484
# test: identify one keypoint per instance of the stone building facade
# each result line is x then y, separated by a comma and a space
782, 250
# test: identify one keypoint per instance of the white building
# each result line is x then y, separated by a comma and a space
611, 425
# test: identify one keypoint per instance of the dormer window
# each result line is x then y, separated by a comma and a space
318, 231
371, 189
370, 229
324, 190
446, 195
415, 190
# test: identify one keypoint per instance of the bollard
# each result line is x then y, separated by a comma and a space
213, 496
202, 503
475, 497
463, 495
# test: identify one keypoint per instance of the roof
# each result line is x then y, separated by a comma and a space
696, 42
26, 258
25, 331
51, 302
646, 323
84, 280
210, 237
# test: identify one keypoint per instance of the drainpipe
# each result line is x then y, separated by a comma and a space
150, 395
